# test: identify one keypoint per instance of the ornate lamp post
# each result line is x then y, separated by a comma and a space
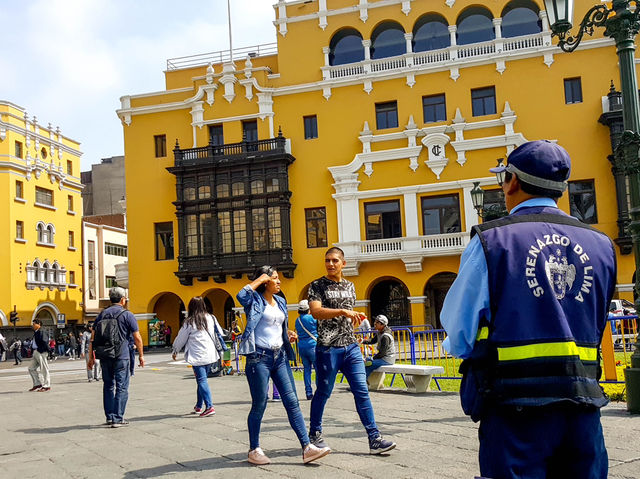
477, 198
621, 22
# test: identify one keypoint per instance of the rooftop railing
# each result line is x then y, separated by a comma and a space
222, 56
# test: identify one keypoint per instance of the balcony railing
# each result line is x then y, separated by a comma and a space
209, 152
411, 250
447, 56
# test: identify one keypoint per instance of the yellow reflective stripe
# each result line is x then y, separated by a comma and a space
543, 350
483, 333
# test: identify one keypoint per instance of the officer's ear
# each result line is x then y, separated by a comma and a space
512, 186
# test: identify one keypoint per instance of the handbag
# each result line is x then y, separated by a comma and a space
306, 330
215, 339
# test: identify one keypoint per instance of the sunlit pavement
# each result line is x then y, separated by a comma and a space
59, 433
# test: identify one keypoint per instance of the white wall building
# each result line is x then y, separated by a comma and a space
104, 247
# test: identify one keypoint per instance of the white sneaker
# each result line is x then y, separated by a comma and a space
311, 453
258, 457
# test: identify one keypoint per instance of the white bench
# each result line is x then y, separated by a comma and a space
417, 378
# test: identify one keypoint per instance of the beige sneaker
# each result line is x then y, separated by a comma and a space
311, 453
257, 456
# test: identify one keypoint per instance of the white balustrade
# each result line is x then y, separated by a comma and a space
455, 53
476, 50
521, 43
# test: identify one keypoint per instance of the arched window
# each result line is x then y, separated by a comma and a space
51, 232
42, 232
475, 25
45, 274
387, 40
346, 47
53, 273
431, 32
37, 271
520, 17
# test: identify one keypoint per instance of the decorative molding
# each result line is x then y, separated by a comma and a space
435, 144
46, 305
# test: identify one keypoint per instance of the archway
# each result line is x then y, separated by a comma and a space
346, 47
435, 291
391, 298
169, 310
475, 25
221, 304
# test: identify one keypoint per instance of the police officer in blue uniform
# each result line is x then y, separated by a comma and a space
526, 313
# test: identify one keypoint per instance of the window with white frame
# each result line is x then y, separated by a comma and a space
46, 233
46, 275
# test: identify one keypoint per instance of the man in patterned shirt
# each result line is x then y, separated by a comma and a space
331, 301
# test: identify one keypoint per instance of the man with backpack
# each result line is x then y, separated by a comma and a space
114, 331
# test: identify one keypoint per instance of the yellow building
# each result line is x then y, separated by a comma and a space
365, 126
41, 214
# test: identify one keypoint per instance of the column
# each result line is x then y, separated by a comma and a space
367, 49
408, 37
497, 27
453, 49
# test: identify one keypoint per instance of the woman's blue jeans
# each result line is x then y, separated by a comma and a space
348, 359
260, 366
204, 393
308, 357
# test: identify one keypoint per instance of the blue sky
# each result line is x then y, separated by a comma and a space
69, 61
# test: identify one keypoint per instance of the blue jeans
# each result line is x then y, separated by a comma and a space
115, 389
204, 393
308, 357
260, 366
375, 364
348, 360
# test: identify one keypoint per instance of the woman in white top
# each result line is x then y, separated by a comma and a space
266, 346
199, 336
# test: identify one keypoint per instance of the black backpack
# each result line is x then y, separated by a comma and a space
107, 340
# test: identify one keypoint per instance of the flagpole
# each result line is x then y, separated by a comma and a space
230, 39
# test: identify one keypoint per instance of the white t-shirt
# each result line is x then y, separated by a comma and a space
268, 332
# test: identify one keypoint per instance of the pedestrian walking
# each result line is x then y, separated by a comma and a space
113, 331
266, 345
52, 349
40, 366
16, 347
526, 313
93, 373
385, 345
201, 338
167, 335
73, 345
307, 329
331, 301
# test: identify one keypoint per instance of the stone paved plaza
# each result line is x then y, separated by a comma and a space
58, 434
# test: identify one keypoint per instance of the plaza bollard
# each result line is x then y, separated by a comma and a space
632, 380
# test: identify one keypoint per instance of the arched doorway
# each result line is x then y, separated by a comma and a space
435, 291
168, 310
390, 297
48, 314
221, 305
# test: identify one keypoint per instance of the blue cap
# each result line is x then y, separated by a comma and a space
540, 163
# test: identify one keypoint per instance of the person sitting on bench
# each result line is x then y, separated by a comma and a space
384, 342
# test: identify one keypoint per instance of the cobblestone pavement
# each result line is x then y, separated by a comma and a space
57, 434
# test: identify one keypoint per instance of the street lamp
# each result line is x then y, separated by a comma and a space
621, 22
477, 196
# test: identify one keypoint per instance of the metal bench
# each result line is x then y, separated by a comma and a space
417, 378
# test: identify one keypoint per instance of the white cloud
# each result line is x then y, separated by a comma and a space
69, 61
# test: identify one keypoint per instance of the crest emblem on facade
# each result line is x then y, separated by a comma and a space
560, 273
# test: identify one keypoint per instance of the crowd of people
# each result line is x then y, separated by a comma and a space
531, 366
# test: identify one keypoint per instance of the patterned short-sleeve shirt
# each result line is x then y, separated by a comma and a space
336, 331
